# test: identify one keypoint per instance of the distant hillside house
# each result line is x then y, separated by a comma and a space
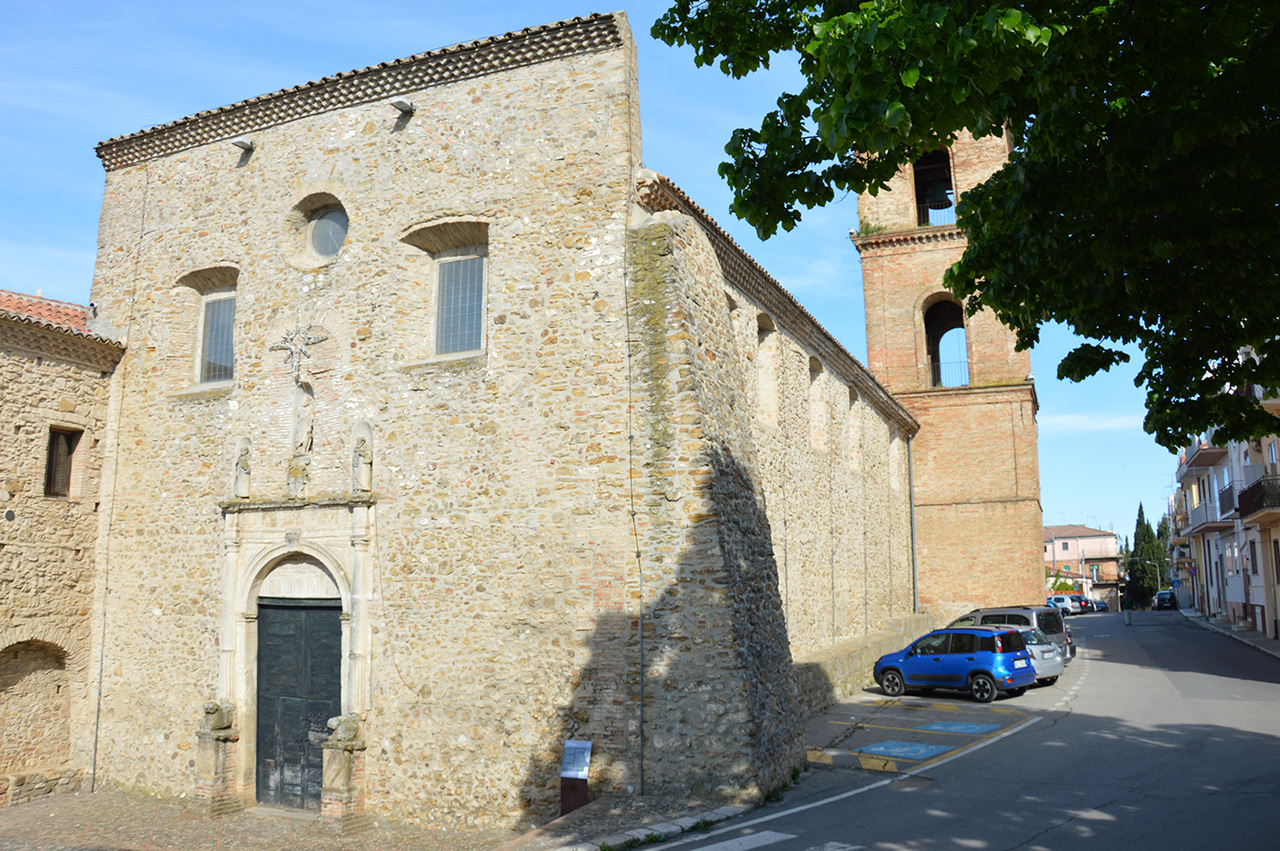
1088, 558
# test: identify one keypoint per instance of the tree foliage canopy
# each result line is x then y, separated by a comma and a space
1141, 204
1146, 563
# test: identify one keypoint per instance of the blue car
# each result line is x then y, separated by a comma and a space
982, 660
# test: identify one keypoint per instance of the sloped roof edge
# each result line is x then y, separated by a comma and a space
656, 193
376, 82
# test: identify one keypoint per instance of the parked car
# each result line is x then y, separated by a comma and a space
1086, 605
1101, 605
1046, 658
1066, 602
1165, 600
984, 661
1047, 619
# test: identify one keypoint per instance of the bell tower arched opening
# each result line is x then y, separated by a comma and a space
947, 344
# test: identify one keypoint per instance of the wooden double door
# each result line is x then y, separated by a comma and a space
299, 690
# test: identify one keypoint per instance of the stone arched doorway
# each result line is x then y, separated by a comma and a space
299, 680
35, 707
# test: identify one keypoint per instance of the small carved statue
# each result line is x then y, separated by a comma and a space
242, 474
362, 466
217, 716
303, 408
346, 729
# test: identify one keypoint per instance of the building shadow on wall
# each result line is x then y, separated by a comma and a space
721, 717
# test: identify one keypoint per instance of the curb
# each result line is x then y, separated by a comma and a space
661, 831
1200, 621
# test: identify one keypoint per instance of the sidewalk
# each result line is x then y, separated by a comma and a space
1248, 636
117, 821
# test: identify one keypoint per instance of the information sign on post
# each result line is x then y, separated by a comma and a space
573, 775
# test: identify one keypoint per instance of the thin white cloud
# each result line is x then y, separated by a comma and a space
1080, 423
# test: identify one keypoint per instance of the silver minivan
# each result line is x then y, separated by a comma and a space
1047, 619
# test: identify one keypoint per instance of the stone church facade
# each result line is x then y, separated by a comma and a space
439, 415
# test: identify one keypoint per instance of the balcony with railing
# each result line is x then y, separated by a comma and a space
1227, 503
1204, 518
1255, 391
1260, 502
1204, 453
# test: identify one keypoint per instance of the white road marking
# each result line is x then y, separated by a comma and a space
755, 840
893, 778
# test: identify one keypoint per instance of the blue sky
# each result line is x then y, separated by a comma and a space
73, 74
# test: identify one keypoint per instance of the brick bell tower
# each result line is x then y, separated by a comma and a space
975, 466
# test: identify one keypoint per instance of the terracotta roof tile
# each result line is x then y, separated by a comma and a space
64, 314
48, 313
1051, 532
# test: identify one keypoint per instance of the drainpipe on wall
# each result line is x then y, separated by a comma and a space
911, 502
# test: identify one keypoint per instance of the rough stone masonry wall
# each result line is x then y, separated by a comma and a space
502, 548
833, 475
46, 546
810, 503
721, 707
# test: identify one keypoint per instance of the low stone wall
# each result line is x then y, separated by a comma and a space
22, 788
825, 676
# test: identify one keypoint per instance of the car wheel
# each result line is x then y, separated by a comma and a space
891, 683
982, 688
1047, 681
1017, 692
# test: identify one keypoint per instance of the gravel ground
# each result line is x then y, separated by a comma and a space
114, 821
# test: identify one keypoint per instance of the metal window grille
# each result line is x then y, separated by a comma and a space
461, 305
217, 361
57, 472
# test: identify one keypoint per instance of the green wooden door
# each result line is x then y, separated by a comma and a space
299, 690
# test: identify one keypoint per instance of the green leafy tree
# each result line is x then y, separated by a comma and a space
1139, 203
1164, 533
1144, 564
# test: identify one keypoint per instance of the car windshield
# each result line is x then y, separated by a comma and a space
1051, 622
1035, 636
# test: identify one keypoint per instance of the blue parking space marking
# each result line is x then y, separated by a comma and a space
959, 727
904, 750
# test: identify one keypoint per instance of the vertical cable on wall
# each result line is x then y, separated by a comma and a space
115, 469
631, 489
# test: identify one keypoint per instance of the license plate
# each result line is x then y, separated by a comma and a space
1019, 663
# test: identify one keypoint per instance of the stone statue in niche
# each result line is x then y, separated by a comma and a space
303, 412
362, 466
241, 485
303, 424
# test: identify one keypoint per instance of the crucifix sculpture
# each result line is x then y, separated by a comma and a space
294, 344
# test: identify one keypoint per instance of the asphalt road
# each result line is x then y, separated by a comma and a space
1161, 735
